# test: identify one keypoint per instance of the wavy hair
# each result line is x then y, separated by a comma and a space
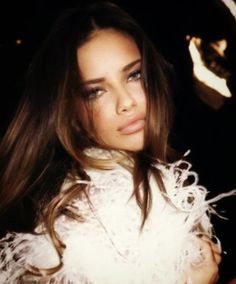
45, 142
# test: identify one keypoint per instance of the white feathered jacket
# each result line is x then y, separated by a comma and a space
109, 248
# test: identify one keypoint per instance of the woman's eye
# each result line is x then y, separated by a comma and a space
134, 76
93, 93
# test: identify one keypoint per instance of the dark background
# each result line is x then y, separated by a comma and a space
209, 133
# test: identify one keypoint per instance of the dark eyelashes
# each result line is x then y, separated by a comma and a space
135, 75
92, 92
95, 92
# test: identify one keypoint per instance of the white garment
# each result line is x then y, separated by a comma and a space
108, 248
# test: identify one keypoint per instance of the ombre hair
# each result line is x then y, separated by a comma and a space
44, 145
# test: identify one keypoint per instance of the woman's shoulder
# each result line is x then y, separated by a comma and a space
23, 254
179, 172
183, 188
20, 251
182, 185
11, 262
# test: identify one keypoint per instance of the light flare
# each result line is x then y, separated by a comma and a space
202, 73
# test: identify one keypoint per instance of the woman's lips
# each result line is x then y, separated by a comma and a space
132, 127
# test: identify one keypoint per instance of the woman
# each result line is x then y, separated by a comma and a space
86, 163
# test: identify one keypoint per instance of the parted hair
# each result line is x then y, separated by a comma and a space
45, 141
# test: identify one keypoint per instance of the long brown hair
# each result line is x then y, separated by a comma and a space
46, 140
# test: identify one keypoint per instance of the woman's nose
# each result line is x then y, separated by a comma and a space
125, 101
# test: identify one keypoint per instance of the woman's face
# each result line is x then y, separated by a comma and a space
110, 66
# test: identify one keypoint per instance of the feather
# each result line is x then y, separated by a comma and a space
108, 247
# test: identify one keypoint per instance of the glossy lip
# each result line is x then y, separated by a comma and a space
132, 126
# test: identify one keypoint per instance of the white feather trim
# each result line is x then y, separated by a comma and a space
108, 248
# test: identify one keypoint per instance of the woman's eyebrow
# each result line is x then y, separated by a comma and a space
93, 81
102, 79
130, 65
